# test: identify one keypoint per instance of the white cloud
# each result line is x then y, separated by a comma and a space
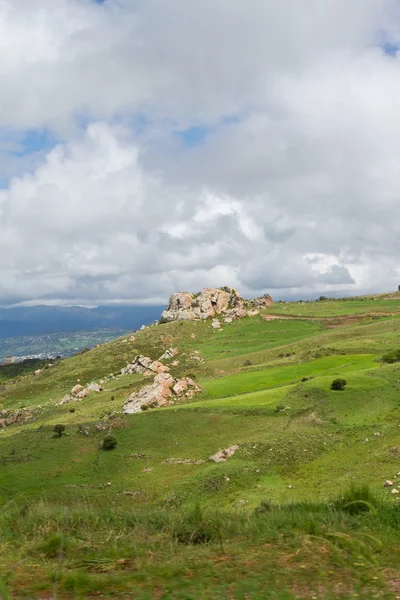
297, 194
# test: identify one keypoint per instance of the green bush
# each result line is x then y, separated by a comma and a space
338, 384
109, 442
392, 356
356, 500
59, 430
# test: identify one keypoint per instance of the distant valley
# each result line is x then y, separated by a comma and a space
49, 331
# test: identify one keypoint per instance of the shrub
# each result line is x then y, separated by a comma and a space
193, 529
265, 506
71, 410
247, 363
356, 500
59, 430
109, 442
338, 384
392, 356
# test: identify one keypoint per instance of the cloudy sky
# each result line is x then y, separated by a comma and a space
149, 146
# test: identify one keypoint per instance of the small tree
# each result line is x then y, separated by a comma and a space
59, 430
109, 442
338, 384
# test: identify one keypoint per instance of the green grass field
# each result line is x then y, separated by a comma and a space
155, 518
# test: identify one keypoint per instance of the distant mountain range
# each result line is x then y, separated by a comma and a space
38, 320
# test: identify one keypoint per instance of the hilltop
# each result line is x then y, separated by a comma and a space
203, 490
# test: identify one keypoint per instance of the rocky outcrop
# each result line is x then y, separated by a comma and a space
210, 303
207, 304
162, 392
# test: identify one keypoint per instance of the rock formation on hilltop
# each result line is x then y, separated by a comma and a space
212, 302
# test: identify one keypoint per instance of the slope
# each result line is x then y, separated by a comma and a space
265, 387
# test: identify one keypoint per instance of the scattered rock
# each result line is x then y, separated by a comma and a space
182, 461
236, 313
76, 389
66, 400
38, 371
223, 455
19, 416
175, 363
388, 483
228, 319
101, 426
169, 353
195, 356
141, 365
216, 324
82, 394
180, 387
149, 470
94, 387
158, 367
140, 455
377, 434
86, 485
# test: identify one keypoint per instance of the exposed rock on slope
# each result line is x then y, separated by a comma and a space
162, 392
144, 364
223, 455
211, 302
8, 418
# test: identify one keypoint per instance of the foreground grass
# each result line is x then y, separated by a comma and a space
345, 549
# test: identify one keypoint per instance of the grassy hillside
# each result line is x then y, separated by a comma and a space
155, 518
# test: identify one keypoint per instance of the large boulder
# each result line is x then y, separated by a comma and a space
223, 455
94, 387
76, 389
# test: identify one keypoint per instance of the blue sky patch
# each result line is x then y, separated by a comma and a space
193, 136
197, 134
390, 49
35, 140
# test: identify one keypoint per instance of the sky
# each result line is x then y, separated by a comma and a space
151, 146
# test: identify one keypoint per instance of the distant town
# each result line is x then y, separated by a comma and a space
17, 349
